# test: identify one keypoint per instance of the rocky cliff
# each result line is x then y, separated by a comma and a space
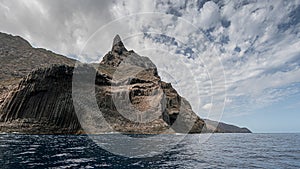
128, 90
18, 58
41, 104
36, 94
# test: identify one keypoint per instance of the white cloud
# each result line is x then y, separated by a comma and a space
61, 26
207, 106
209, 15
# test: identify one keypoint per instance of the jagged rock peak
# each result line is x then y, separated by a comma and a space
118, 46
116, 55
117, 39
119, 54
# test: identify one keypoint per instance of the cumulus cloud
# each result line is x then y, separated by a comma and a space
209, 15
249, 48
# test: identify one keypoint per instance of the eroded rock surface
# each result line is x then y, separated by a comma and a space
128, 91
41, 104
18, 58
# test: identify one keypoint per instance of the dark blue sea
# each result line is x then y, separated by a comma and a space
219, 151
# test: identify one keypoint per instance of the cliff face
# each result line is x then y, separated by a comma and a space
128, 90
36, 94
141, 98
18, 58
41, 104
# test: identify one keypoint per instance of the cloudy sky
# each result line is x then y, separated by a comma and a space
238, 61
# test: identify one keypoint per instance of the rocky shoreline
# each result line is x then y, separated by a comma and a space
129, 92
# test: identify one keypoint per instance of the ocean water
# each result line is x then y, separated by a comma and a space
219, 151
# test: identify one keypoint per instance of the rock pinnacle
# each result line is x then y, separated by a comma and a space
116, 40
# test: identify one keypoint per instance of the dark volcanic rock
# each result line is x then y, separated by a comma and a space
128, 90
18, 59
41, 104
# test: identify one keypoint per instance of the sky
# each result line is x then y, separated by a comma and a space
234, 61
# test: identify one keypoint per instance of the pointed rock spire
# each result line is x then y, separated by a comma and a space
117, 39
120, 54
117, 53
118, 46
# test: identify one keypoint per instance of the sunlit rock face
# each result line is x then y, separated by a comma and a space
128, 91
